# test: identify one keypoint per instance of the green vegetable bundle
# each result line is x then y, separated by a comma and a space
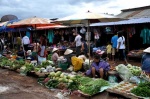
83, 80
29, 67
73, 85
41, 81
91, 86
142, 90
3, 58
52, 83
6, 63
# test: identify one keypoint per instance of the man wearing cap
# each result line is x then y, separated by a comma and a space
78, 44
146, 60
55, 55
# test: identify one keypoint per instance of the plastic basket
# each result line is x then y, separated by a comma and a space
64, 66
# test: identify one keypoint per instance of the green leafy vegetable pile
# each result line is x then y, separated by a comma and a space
73, 85
52, 83
143, 90
28, 67
91, 86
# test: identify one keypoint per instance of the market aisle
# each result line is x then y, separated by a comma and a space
21, 87
15, 86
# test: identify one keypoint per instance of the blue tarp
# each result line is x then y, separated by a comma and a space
4, 28
130, 21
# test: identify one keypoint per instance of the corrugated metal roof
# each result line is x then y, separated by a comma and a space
144, 13
125, 14
131, 21
135, 13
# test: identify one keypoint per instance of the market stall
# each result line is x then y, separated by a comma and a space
134, 83
135, 54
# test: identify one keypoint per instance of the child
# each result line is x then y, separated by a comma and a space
109, 50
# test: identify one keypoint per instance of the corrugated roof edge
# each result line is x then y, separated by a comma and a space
138, 8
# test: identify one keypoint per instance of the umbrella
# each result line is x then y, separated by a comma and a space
51, 27
86, 19
34, 22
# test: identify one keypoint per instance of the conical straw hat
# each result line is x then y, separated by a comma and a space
147, 50
54, 49
68, 51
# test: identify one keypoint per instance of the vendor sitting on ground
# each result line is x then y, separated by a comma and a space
98, 68
68, 55
29, 55
73, 61
6, 50
146, 61
20, 53
55, 55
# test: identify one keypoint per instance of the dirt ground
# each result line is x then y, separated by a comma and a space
25, 87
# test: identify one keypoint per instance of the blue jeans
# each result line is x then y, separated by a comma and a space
122, 54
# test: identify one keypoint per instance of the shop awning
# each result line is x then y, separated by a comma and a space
131, 21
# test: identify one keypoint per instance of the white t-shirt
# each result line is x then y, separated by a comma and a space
96, 36
78, 40
25, 40
122, 40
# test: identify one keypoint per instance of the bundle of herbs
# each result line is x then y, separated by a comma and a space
91, 86
142, 90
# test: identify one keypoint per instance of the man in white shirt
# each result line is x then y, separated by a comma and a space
78, 44
121, 47
25, 42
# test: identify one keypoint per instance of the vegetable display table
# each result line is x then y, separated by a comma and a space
124, 89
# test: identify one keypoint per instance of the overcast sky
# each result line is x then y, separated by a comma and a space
61, 8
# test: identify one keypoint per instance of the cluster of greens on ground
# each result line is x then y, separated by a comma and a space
143, 90
71, 82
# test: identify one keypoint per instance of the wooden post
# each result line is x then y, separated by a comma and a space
22, 45
88, 31
128, 42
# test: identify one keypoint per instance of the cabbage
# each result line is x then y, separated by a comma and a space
58, 73
62, 75
52, 74
23, 68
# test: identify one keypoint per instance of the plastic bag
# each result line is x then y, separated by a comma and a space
41, 59
83, 31
77, 63
124, 72
135, 79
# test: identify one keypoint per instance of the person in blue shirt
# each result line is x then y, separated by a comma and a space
146, 61
114, 45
